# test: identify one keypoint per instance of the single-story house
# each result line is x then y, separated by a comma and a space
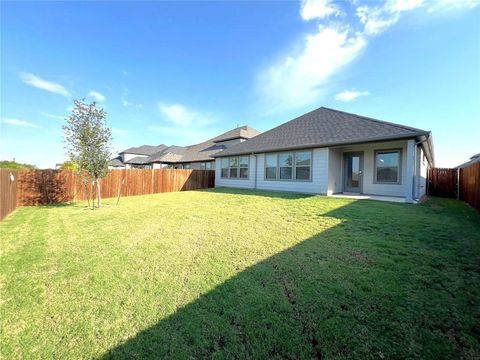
327, 152
198, 156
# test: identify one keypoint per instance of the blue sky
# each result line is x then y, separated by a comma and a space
182, 72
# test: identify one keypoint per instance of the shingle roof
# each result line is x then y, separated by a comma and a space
144, 149
323, 127
202, 151
473, 159
138, 160
169, 154
244, 132
177, 154
116, 162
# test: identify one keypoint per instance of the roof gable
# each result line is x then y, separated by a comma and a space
243, 132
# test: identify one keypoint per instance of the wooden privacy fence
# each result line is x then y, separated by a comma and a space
463, 184
443, 182
8, 191
39, 187
470, 185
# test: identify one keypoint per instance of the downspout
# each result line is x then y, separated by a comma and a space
415, 168
255, 178
414, 182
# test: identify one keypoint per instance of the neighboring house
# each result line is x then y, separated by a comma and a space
198, 156
475, 158
327, 152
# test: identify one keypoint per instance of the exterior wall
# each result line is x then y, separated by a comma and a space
421, 171
335, 166
328, 174
369, 185
126, 157
317, 185
159, 165
236, 183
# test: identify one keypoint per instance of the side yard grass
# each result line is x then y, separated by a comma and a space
241, 274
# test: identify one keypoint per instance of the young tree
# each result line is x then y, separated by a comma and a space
88, 141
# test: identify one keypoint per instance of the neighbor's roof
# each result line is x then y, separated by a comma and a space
473, 159
171, 152
144, 149
244, 132
323, 127
138, 160
116, 162
202, 151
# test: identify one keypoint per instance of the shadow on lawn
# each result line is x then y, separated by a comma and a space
326, 297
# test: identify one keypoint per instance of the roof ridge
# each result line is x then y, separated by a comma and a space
375, 120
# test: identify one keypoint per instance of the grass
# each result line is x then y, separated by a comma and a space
241, 274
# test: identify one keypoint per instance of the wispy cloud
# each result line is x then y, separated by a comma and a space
297, 79
126, 103
17, 122
448, 5
97, 96
349, 95
318, 9
52, 116
182, 116
39, 83
301, 76
376, 19
186, 124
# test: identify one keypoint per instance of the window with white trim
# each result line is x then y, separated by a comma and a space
243, 167
271, 161
285, 161
224, 165
387, 166
303, 164
235, 167
293, 166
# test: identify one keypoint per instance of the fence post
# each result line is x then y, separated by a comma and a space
458, 183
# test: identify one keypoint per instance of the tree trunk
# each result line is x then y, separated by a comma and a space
119, 190
87, 191
99, 197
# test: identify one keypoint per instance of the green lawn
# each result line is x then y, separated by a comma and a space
241, 274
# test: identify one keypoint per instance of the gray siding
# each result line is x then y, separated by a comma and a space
317, 185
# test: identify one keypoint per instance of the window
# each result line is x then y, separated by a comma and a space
224, 171
303, 162
291, 166
243, 162
234, 167
205, 165
286, 166
387, 166
271, 166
